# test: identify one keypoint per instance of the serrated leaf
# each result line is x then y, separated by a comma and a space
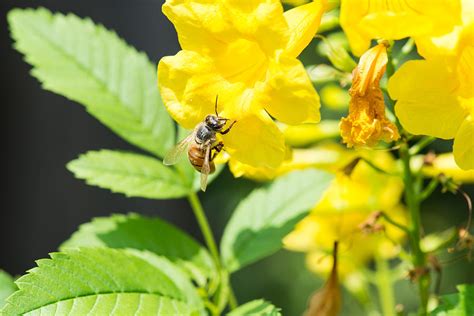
88, 64
151, 234
132, 174
459, 304
260, 222
115, 304
7, 287
97, 279
256, 308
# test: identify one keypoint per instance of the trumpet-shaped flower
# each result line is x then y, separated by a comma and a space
436, 96
245, 52
347, 203
314, 234
366, 123
363, 21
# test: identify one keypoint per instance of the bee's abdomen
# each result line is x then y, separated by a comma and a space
196, 158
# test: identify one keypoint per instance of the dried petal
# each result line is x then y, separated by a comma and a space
366, 124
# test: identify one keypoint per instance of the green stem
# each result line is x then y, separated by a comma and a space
384, 283
426, 193
425, 141
413, 204
209, 239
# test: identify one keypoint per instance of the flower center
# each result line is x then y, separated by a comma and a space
242, 61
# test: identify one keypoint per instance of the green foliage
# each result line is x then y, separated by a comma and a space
86, 63
129, 173
256, 308
268, 214
7, 287
103, 281
151, 234
459, 304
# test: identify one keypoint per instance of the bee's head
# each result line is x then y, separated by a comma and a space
214, 122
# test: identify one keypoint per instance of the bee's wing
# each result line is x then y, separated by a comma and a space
173, 155
206, 168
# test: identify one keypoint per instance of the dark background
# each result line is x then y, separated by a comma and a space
42, 203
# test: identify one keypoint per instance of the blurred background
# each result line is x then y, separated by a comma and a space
43, 204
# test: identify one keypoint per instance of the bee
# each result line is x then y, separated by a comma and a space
202, 145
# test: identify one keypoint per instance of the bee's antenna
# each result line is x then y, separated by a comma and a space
215, 106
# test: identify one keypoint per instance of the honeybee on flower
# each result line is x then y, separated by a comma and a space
246, 50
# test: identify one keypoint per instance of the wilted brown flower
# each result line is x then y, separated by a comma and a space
327, 301
366, 124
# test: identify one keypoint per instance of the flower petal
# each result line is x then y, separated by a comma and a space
288, 94
426, 105
200, 24
189, 84
261, 20
463, 148
256, 140
394, 19
303, 22
465, 71
429, 46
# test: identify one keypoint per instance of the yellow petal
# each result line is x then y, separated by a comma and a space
242, 61
261, 20
189, 84
303, 22
426, 105
430, 46
256, 140
465, 71
463, 148
393, 19
288, 94
201, 25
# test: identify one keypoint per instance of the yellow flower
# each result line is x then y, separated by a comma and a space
363, 21
245, 52
348, 202
436, 96
315, 234
366, 124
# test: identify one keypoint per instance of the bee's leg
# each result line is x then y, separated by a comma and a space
217, 149
228, 129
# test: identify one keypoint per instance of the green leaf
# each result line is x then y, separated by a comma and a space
132, 174
268, 214
7, 287
143, 233
256, 308
459, 304
103, 281
88, 64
